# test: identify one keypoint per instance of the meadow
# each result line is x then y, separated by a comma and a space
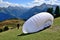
52, 33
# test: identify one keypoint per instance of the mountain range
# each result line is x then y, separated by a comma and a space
23, 12
11, 12
37, 9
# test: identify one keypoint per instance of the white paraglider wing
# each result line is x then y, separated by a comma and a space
38, 22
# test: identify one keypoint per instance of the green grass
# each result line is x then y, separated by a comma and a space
52, 33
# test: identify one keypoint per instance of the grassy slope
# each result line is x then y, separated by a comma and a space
52, 33
11, 23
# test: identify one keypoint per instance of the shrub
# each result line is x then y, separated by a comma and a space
6, 28
1, 30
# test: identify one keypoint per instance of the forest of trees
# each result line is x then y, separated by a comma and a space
56, 13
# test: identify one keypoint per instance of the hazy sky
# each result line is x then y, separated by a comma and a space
29, 3
26, 1
19, 1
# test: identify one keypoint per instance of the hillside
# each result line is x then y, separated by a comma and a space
52, 33
11, 23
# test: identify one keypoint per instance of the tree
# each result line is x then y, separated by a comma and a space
57, 12
50, 10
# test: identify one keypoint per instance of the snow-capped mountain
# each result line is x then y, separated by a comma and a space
11, 12
37, 9
23, 12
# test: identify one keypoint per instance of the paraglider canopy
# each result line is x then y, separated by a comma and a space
38, 22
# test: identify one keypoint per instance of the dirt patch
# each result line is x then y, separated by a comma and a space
55, 28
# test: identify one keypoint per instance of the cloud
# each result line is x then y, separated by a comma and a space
53, 2
6, 4
39, 2
30, 4
35, 3
0, 0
